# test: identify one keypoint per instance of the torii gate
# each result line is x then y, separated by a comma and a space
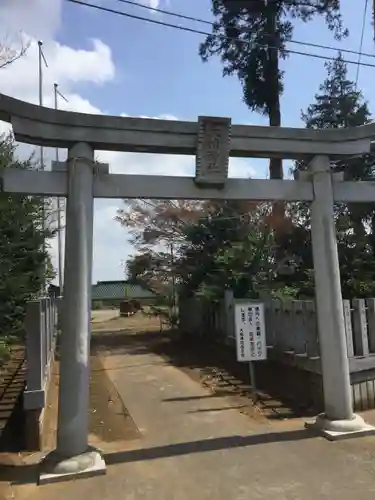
212, 140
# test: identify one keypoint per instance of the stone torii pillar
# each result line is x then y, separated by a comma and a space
338, 420
73, 455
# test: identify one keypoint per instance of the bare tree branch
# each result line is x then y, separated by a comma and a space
9, 53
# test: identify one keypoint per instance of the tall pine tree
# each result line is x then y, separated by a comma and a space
250, 36
340, 105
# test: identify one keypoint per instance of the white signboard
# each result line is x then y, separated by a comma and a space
250, 331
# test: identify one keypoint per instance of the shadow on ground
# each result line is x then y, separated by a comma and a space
124, 341
19, 474
204, 445
209, 363
24, 474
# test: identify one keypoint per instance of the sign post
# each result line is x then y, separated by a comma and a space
250, 335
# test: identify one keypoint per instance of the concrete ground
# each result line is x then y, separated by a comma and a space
196, 446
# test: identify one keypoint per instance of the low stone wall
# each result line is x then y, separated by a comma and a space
36, 420
303, 389
282, 376
42, 323
292, 369
363, 390
296, 386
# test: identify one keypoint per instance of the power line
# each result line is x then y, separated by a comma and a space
361, 42
205, 33
210, 23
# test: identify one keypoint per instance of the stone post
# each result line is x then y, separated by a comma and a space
73, 455
338, 418
33, 396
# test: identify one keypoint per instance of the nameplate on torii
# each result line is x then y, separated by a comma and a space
213, 149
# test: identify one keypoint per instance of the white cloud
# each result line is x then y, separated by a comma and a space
37, 18
111, 245
151, 3
176, 165
92, 65
66, 66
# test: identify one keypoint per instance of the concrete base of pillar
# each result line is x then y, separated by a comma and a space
335, 430
55, 468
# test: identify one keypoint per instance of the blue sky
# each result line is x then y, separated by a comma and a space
159, 70
137, 68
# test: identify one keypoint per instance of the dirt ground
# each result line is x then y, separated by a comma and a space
139, 322
210, 364
216, 368
110, 426
110, 423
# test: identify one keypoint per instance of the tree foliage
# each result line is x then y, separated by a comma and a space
230, 249
232, 244
157, 231
24, 264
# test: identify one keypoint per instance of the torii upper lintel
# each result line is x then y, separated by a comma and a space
55, 128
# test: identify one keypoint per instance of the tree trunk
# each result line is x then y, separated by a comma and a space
276, 164
274, 113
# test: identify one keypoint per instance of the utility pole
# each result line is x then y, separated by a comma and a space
41, 60
60, 207
173, 281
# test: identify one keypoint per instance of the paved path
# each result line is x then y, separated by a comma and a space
196, 446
